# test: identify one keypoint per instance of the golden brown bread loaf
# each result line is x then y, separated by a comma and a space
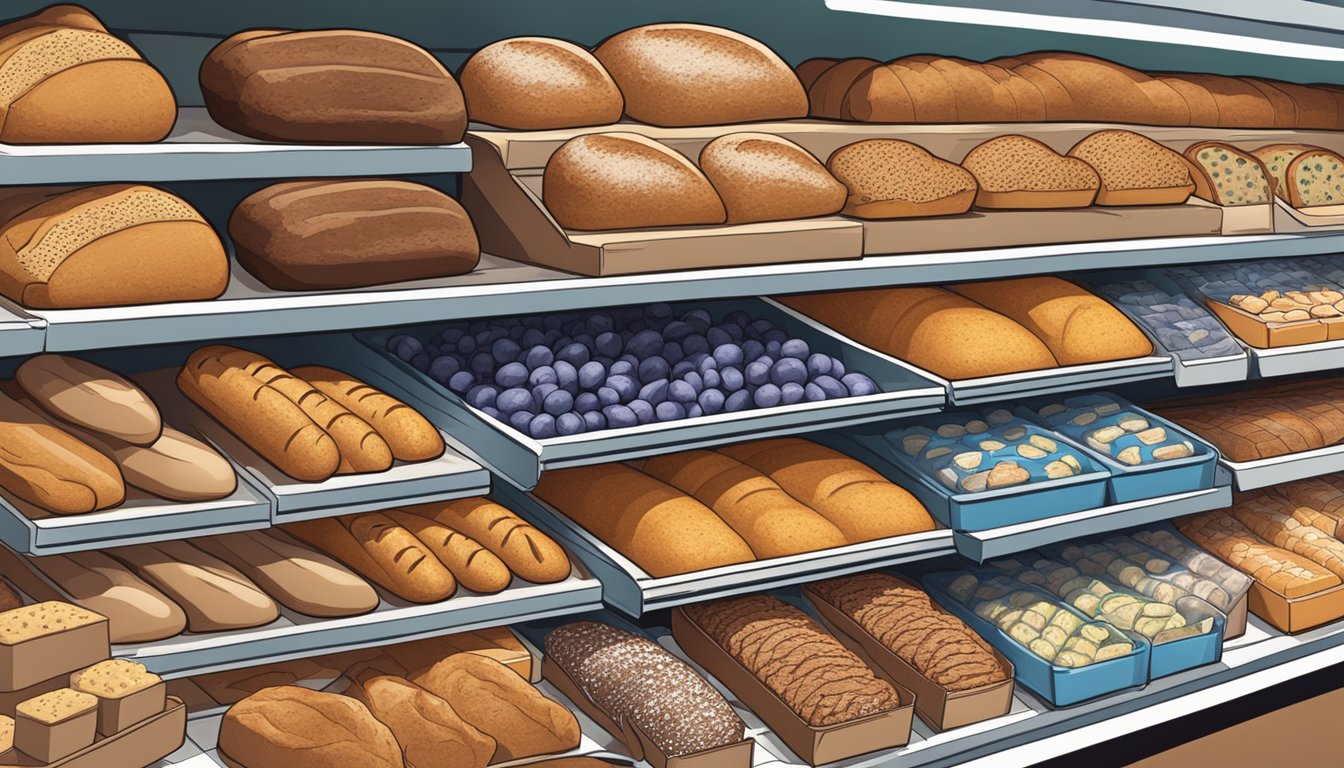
297, 577
1275, 519
90, 396
136, 612
1266, 421
1134, 169
215, 596
1103, 91
1278, 569
761, 177
474, 566
1321, 497
809, 70
625, 181
410, 436
1240, 104
1017, 171
901, 91
539, 83
826, 95
1078, 327
1225, 175
45, 466
528, 552
693, 74
300, 728
381, 551
888, 179
661, 529
426, 727
931, 327
104, 246
333, 85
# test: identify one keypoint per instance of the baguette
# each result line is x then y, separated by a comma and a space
381, 551
475, 567
410, 436
299, 578
270, 423
91, 397
177, 467
215, 597
429, 730
136, 612
46, 466
530, 554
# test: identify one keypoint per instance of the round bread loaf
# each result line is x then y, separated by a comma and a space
1016, 171
889, 179
536, 83
1134, 169
765, 178
692, 74
298, 728
626, 181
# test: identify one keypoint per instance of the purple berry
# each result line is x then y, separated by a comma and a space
654, 392
575, 353
791, 393
619, 416
569, 424
482, 396
505, 350
757, 373
643, 411
586, 402
591, 375
521, 420
681, 391
594, 421
711, 401
670, 411
712, 379
832, 388
405, 347
543, 375
461, 381
511, 375
732, 379
790, 370
818, 365
443, 367
609, 344
738, 401
654, 368
728, 354
542, 427
537, 356
558, 402
607, 396
566, 376
421, 362
767, 396
859, 384
511, 401
796, 348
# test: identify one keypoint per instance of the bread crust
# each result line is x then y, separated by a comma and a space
410, 435
539, 83
527, 552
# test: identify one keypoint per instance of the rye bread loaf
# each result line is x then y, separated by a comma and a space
1016, 171
1314, 178
90, 396
692, 74
891, 179
827, 95
1134, 169
539, 83
1276, 158
136, 612
300, 728
1225, 175
809, 70
106, 245
349, 233
427, 728
626, 181
46, 466
761, 177
334, 85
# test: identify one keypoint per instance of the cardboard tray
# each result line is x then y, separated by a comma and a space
940, 708
1310, 219
1293, 615
1272, 335
144, 743
814, 745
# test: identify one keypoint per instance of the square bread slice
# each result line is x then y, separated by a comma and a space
1134, 169
1227, 176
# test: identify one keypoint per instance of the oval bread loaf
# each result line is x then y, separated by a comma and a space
889, 179
46, 466
428, 729
539, 83
177, 467
1134, 169
410, 436
215, 596
297, 577
1017, 171
528, 552
475, 567
136, 612
90, 396
382, 552
808, 71
761, 177
301, 728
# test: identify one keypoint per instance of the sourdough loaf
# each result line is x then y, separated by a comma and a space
300, 579
1134, 169
539, 83
625, 181
528, 552
761, 177
475, 567
1227, 176
382, 552
46, 466
692, 74
889, 179
295, 727
214, 595
1314, 178
1275, 158
136, 612
426, 727
1020, 172
410, 436
333, 85
91, 397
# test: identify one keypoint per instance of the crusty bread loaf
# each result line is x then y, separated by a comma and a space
693, 74
1016, 171
809, 70
1314, 178
381, 551
1322, 497
860, 502
661, 529
1078, 327
890, 179
46, 466
474, 566
1134, 169
410, 436
300, 728
933, 328
773, 523
1029, 99
905, 90
29, 622
1201, 103
761, 177
1058, 104
136, 612
108, 245
1225, 175
827, 94
1272, 518
539, 83
1285, 109
1275, 158
1317, 109
1278, 569
350, 233
215, 596
1103, 91
297, 577
331, 85
1240, 104
426, 727
624, 181
979, 98
528, 552
177, 467
90, 396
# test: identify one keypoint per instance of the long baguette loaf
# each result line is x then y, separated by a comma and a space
297, 577
90, 396
136, 612
528, 552
410, 436
474, 566
215, 596
46, 466
177, 467
428, 729
381, 551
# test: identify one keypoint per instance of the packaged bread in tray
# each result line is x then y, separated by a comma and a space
1268, 304
1319, 500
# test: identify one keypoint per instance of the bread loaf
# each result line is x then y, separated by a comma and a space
351, 233
662, 530
55, 725
177, 467
808, 71
930, 327
1240, 104
1078, 327
91, 397
1267, 422
1284, 572
901, 92
1020, 172
1225, 175
1275, 158
298, 578
890, 179
333, 85
772, 522
1273, 518
426, 727
136, 612
298, 728
765, 178
45, 466
979, 98
214, 595
490, 696
1322, 496
1201, 103
1313, 178
1057, 103
475, 567
857, 500
625, 181
692, 74
65, 80
827, 94
1134, 169
1029, 99
528, 552
1103, 91
410, 436
539, 83
105, 246
1316, 108
381, 551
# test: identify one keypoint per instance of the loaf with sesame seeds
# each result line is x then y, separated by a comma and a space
1227, 176
1134, 169
889, 179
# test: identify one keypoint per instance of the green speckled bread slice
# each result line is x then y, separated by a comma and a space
1276, 158
1134, 169
1315, 178
1227, 176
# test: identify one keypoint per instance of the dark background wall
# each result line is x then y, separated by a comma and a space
175, 35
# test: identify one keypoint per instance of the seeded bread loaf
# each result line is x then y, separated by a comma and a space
426, 727
761, 177
889, 178
1276, 158
1315, 177
1134, 169
299, 728
539, 83
410, 435
1227, 176
113, 679
528, 552
1284, 572
30, 622
136, 612
1019, 172
46, 466
625, 181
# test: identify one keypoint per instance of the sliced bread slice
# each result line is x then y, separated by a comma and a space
1016, 171
1316, 177
892, 179
1134, 169
1276, 158
1227, 176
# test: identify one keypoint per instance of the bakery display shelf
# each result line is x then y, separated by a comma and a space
199, 149
1301, 358
629, 589
520, 459
1260, 473
20, 332
1073, 378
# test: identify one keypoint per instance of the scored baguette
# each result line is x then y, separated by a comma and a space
528, 552
136, 612
297, 577
474, 566
381, 551
44, 465
410, 436
215, 596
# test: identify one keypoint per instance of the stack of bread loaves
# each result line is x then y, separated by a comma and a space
1266, 421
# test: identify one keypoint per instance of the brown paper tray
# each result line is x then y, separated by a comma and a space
1298, 614
1262, 335
1236, 618
940, 708
816, 746
142, 744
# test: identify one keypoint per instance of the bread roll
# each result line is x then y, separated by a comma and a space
811, 69
1225, 175
692, 74
860, 502
351, 233
1134, 169
773, 523
381, 551
215, 596
46, 466
428, 729
765, 178
136, 612
890, 179
105, 246
528, 552
663, 531
625, 181
332, 85
1016, 171
539, 83
1313, 178
177, 467
300, 728
410, 436
90, 396
1078, 327
826, 95
298, 578
475, 567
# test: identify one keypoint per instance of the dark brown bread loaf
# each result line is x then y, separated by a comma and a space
299, 728
1268, 421
632, 679
333, 85
827, 95
901, 616
761, 177
811, 69
823, 682
539, 83
347, 233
